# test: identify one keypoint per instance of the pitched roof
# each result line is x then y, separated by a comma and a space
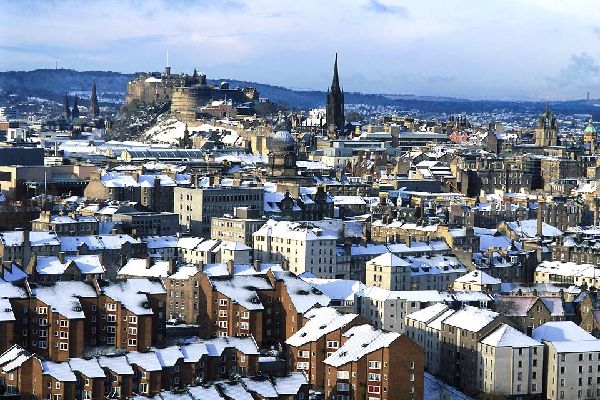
507, 336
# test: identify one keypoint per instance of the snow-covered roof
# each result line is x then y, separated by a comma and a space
88, 367
169, 355
261, 386
16, 238
63, 297
561, 331
381, 294
245, 344
234, 390
428, 314
479, 278
205, 392
303, 295
193, 352
321, 321
147, 361
139, 267
60, 371
132, 293
507, 336
242, 289
528, 229
70, 244
336, 289
117, 364
13, 358
291, 384
161, 242
87, 264
362, 340
389, 260
185, 272
471, 318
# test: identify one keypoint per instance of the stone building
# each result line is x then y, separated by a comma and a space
197, 206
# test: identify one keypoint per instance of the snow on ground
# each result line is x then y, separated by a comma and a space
437, 390
170, 130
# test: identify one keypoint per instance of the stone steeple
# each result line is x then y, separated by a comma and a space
75, 111
66, 110
335, 105
94, 110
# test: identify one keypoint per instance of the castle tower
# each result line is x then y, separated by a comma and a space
94, 110
546, 130
335, 105
66, 109
75, 111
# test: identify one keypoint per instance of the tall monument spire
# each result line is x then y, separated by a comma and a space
335, 105
94, 110
75, 110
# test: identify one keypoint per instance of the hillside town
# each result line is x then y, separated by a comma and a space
339, 253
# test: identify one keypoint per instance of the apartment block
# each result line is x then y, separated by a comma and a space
197, 206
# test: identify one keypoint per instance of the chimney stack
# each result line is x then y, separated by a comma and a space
230, 267
540, 219
256, 265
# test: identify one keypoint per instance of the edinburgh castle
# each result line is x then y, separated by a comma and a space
190, 96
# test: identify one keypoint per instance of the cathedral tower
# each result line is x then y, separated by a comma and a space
335, 105
546, 130
94, 110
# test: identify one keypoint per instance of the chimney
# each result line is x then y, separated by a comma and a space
347, 246
171, 265
256, 265
61, 257
540, 218
230, 267
409, 241
148, 262
285, 264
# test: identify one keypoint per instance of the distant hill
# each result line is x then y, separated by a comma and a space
52, 83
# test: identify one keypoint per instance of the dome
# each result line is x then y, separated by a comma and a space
283, 141
590, 128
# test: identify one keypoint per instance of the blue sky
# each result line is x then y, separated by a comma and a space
500, 49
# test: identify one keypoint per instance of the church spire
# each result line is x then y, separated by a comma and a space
335, 105
94, 110
335, 83
66, 110
75, 111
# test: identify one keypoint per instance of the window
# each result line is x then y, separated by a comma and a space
222, 302
343, 387
343, 375
132, 331
132, 342
374, 377
64, 335
143, 388
374, 365
111, 307
332, 344
64, 346
374, 389
133, 319
302, 365
64, 323
223, 324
